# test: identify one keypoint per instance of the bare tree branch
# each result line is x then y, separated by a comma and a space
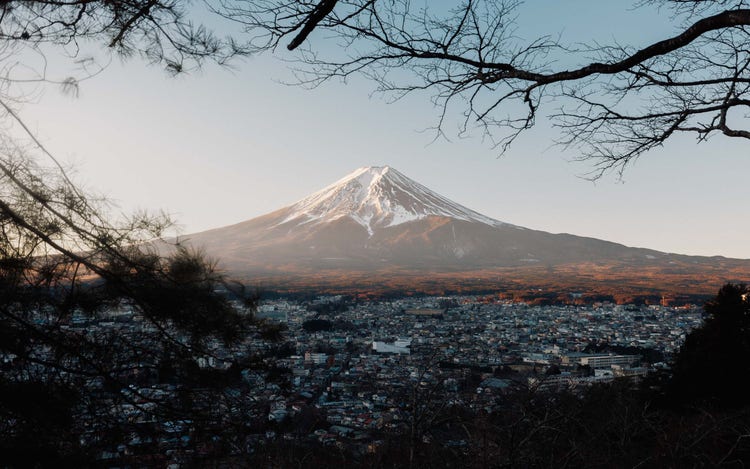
312, 21
615, 104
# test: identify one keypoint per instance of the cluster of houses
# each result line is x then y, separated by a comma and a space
360, 377
354, 382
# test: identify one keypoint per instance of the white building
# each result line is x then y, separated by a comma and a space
399, 346
316, 358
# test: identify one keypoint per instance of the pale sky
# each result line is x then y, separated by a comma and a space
220, 147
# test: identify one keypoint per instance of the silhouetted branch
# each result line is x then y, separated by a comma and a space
616, 104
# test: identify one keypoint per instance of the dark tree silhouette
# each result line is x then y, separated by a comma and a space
92, 316
163, 32
714, 362
105, 334
612, 102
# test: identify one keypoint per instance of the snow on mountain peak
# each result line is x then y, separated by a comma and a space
378, 196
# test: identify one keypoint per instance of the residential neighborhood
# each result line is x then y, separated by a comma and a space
354, 373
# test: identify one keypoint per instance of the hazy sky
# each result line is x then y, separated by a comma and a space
220, 147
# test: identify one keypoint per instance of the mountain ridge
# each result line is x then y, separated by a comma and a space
378, 220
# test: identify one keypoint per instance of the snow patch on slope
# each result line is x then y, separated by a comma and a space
377, 197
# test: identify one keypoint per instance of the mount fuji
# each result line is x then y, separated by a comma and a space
379, 197
377, 220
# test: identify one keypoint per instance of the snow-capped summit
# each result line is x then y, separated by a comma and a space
377, 197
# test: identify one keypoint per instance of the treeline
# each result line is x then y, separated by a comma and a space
614, 426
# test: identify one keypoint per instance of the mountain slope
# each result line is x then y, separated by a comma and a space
378, 220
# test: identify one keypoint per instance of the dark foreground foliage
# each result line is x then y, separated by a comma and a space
608, 426
713, 365
103, 331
